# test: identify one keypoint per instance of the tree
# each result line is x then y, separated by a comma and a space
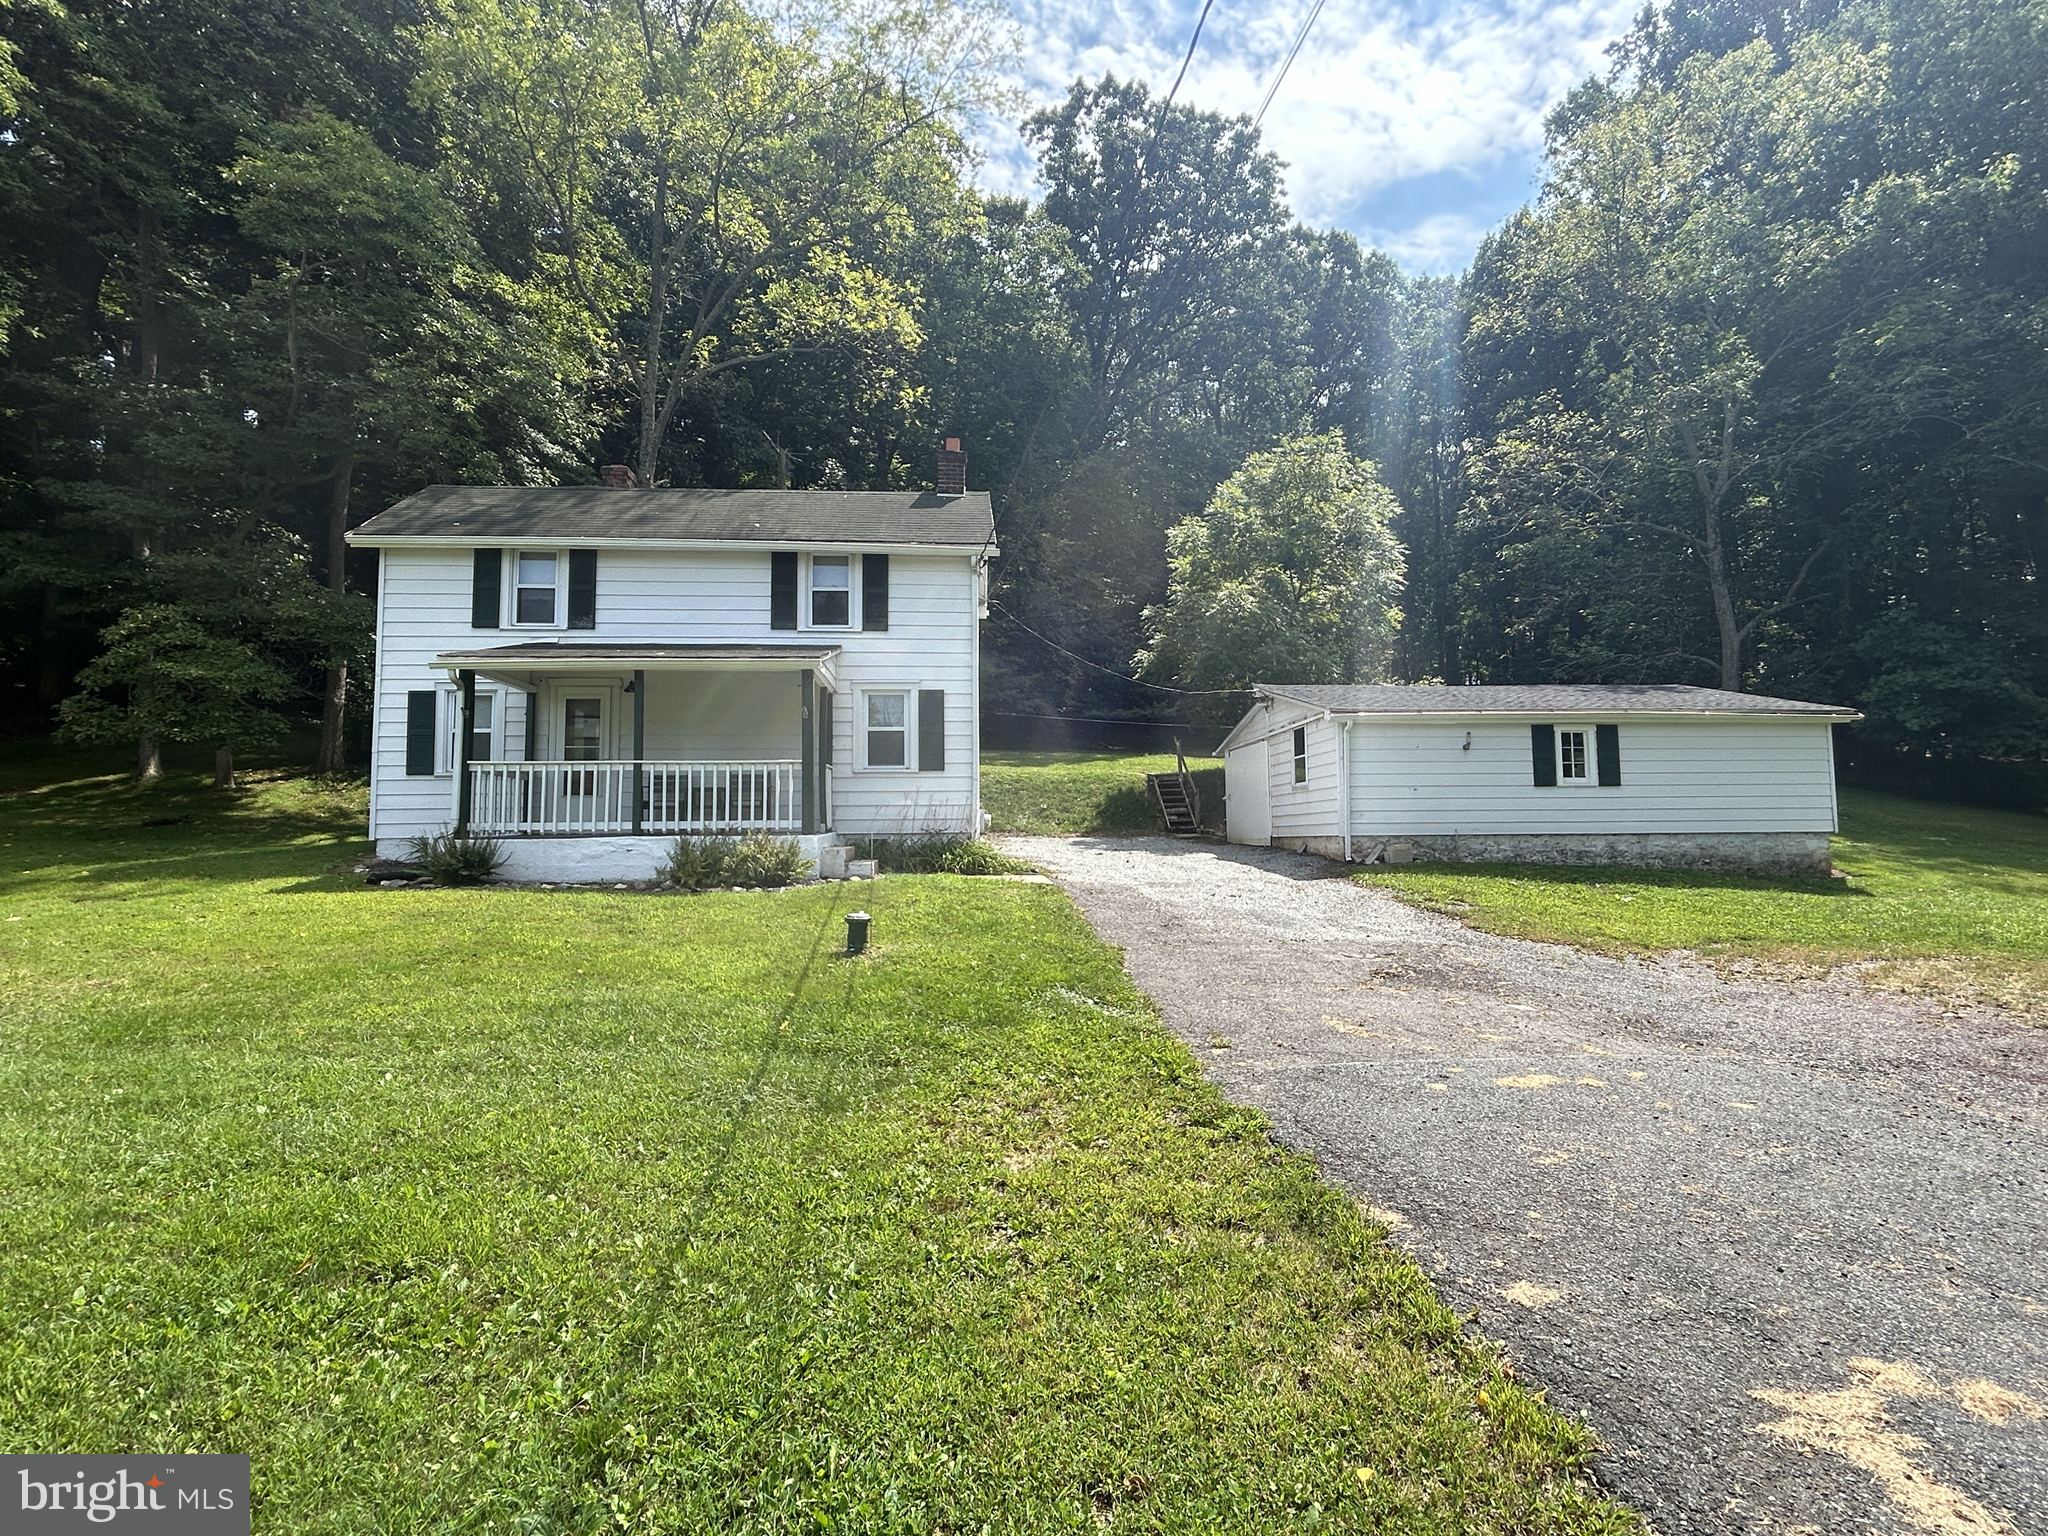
369, 335
1178, 231
699, 183
1292, 574
165, 677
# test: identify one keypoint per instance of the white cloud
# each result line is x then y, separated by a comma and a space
1442, 242
1377, 97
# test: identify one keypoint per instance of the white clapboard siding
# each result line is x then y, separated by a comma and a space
1310, 809
1727, 774
712, 597
931, 645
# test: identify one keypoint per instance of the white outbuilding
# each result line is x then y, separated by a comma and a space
1660, 775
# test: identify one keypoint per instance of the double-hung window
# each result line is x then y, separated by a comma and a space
483, 732
536, 598
831, 591
886, 727
1301, 754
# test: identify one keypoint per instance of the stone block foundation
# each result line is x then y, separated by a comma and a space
1764, 853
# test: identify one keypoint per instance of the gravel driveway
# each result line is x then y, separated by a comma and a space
1781, 1244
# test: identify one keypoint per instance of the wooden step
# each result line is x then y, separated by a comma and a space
1170, 793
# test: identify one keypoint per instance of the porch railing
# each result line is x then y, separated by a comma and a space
594, 799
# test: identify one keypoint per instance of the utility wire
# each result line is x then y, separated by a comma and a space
1190, 56
1288, 62
1106, 671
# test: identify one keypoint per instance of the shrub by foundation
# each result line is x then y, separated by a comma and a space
451, 860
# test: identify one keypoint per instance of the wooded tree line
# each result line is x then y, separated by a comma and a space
1753, 394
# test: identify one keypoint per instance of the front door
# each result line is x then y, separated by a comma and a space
577, 721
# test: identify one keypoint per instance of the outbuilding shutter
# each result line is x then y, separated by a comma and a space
583, 589
782, 589
486, 603
874, 591
1607, 753
931, 730
419, 733
1543, 755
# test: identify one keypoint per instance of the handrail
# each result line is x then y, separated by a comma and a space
560, 799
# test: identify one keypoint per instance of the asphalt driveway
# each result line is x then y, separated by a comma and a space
1781, 1244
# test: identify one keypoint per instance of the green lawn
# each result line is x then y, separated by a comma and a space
1950, 899
1056, 792
580, 1211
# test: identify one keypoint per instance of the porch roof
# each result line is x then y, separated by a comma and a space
525, 663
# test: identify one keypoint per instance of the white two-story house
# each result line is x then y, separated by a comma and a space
585, 672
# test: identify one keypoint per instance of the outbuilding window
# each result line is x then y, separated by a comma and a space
1573, 760
1301, 754
1576, 755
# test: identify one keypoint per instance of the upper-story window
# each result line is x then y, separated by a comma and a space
831, 591
536, 591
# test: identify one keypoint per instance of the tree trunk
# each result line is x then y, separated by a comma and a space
332, 757
149, 760
50, 678
223, 767
333, 754
657, 322
1713, 486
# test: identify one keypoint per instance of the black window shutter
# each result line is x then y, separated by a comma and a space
782, 589
486, 607
1543, 755
532, 725
931, 730
824, 708
419, 732
583, 589
1607, 749
874, 591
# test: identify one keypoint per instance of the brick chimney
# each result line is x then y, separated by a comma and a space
952, 469
618, 477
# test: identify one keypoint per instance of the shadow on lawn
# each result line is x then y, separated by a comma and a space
68, 821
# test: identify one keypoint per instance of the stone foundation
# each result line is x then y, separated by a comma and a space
1764, 853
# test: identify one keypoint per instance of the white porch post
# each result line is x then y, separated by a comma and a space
809, 750
639, 750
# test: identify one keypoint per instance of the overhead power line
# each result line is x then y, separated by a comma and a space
1190, 54
1106, 671
1286, 63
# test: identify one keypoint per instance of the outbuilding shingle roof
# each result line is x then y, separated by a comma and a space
1559, 699
468, 514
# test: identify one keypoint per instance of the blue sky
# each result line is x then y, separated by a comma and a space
1416, 126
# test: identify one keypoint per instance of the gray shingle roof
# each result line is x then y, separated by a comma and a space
485, 513
1544, 698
